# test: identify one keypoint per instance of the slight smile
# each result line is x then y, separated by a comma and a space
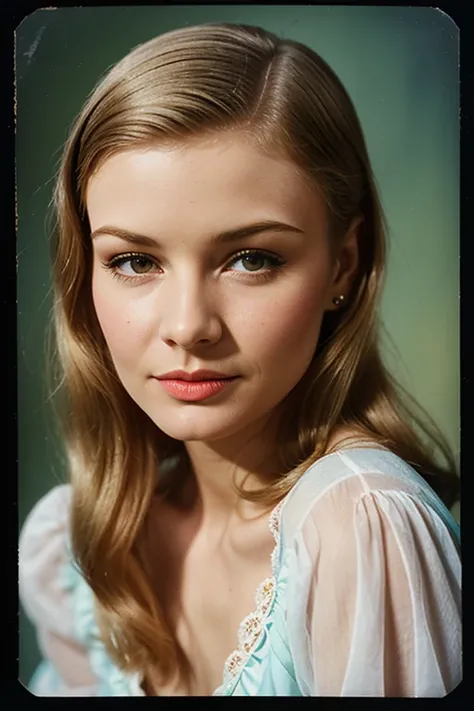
196, 386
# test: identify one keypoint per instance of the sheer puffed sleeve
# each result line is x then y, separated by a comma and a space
46, 584
374, 592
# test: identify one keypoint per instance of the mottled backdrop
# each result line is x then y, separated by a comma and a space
400, 66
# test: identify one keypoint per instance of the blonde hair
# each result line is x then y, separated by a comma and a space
187, 83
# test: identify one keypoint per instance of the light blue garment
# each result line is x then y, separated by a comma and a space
281, 662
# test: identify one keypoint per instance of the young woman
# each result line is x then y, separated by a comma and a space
229, 422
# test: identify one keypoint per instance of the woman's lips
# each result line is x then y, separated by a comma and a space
193, 391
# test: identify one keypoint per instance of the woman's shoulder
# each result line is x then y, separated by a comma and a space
60, 604
45, 570
46, 524
340, 482
366, 463
51, 509
362, 525
52, 590
350, 455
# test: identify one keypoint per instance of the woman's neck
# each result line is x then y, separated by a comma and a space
218, 467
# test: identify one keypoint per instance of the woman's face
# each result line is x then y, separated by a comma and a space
212, 256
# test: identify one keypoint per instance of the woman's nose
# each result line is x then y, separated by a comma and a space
189, 314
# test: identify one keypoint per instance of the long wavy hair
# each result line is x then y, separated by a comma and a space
187, 83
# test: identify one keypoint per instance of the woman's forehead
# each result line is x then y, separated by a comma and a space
200, 180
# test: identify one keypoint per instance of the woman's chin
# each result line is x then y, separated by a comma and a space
199, 428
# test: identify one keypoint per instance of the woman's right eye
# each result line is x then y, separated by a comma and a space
128, 266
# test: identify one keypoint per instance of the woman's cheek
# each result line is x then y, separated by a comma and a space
288, 320
118, 320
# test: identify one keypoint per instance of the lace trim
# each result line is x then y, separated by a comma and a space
250, 629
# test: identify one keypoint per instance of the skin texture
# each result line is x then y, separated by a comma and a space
193, 305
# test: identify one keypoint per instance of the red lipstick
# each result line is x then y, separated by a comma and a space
196, 375
196, 386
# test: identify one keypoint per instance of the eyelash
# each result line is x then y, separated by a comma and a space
276, 263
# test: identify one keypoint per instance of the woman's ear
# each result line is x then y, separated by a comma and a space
345, 266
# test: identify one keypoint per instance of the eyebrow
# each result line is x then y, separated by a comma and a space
231, 235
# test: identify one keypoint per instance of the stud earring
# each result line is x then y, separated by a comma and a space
337, 301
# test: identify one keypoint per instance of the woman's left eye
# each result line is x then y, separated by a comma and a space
253, 260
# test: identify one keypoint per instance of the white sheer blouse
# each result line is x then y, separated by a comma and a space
365, 598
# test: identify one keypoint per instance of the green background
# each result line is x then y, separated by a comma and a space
400, 66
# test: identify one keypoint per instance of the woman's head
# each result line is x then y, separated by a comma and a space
202, 131
193, 297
